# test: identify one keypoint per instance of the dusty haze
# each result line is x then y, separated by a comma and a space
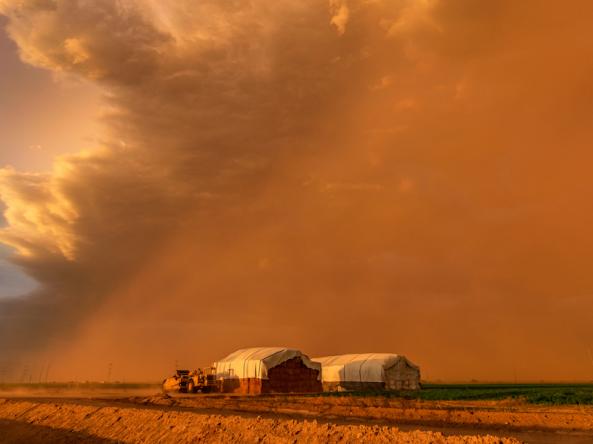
364, 175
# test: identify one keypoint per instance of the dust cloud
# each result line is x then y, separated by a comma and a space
343, 176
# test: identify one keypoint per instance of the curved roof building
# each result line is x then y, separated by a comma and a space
368, 371
268, 370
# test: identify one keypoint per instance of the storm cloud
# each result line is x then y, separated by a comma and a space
389, 175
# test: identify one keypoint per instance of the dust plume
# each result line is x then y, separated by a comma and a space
342, 176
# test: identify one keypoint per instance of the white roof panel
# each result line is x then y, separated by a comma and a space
255, 362
363, 367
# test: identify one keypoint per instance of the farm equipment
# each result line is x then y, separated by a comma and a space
185, 381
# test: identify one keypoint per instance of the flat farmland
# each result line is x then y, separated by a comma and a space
437, 414
552, 394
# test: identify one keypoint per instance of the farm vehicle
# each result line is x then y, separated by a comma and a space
185, 381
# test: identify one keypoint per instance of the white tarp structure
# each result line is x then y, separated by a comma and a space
255, 362
391, 371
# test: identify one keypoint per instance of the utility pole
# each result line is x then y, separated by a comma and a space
590, 355
47, 371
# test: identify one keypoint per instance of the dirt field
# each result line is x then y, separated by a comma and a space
284, 419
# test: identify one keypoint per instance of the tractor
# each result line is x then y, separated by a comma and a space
185, 381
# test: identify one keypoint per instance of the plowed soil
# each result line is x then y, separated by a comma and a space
508, 415
285, 419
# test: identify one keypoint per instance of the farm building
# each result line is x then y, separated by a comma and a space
369, 371
268, 370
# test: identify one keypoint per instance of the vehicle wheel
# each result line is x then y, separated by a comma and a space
190, 387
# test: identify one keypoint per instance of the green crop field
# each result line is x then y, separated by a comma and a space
554, 394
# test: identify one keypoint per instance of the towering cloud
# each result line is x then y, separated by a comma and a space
352, 175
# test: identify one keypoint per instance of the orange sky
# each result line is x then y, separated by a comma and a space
41, 115
343, 176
